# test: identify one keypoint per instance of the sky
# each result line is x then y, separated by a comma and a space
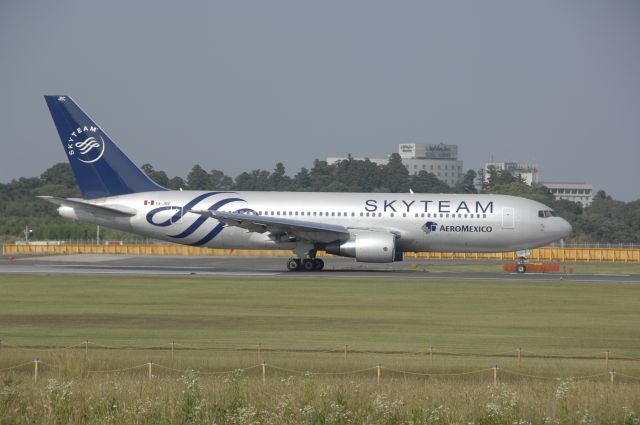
242, 85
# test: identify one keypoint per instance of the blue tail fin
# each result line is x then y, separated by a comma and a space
100, 167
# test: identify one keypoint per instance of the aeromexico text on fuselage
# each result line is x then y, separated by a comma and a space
427, 206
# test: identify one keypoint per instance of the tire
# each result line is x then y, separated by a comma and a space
521, 268
307, 265
318, 264
293, 264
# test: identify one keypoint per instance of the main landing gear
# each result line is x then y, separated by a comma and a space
307, 264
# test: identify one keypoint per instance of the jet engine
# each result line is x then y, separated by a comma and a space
367, 246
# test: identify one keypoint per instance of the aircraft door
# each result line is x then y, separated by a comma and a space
508, 218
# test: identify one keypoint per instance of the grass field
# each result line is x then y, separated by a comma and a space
303, 325
402, 315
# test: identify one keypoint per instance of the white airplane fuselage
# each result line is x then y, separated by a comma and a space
421, 222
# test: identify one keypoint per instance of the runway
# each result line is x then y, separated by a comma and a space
340, 268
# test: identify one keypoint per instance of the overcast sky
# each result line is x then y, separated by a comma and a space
240, 85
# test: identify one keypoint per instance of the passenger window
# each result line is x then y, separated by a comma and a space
361, 214
391, 214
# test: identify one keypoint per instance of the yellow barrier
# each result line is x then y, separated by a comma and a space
617, 255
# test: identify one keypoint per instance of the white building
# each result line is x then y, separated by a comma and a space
524, 170
441, 160
581, 193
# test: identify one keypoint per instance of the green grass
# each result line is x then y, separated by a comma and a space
378, 314
397, 319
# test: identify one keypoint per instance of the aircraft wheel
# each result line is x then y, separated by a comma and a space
293, 264
318, 264
308, 265
520, 268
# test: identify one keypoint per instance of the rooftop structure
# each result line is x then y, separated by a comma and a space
581, 193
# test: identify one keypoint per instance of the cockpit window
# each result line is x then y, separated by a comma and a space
547, 213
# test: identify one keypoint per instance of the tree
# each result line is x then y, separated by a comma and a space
320, 175
467, 184
159, 177
60, 174
219, 180
278, 180
302, 181
198, 178
425, 182
518, 188
256, 180
396, 175
493, 177
176, 183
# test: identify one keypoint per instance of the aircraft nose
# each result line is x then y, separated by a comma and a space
564, 228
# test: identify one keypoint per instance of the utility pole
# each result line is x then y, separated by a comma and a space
98, 235
27, 234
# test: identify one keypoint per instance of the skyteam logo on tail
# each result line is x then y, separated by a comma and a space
85, 144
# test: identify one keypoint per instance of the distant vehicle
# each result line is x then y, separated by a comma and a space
370, 227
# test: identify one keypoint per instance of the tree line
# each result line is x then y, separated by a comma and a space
605, 221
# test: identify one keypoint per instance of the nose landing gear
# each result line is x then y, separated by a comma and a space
307, 264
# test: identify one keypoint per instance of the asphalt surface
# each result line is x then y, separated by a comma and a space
335, 267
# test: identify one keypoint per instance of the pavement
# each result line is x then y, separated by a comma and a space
335, 267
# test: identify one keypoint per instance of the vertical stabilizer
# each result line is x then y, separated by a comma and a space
100, 167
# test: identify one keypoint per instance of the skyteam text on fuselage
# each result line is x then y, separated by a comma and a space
369, 227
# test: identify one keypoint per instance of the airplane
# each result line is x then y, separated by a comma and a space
370, 227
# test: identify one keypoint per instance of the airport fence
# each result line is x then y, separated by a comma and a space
559, 254
515, 369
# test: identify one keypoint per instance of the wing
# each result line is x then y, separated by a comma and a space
280, 227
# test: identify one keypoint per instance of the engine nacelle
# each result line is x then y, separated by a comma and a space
367, 246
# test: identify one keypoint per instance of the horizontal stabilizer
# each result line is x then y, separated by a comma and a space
119, 210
